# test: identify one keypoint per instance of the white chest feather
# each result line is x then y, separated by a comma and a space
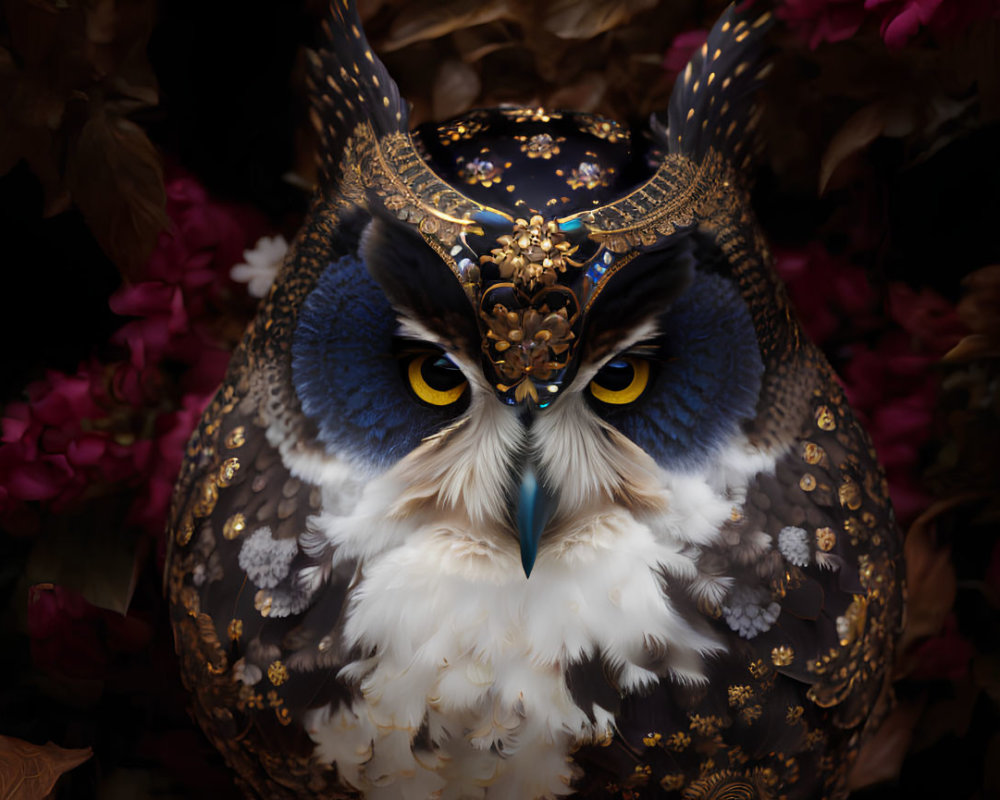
464, 692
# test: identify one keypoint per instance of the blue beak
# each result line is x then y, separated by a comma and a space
534, 508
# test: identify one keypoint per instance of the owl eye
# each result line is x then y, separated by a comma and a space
621, 381
435, 379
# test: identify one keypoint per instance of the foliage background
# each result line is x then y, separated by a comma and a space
144, 147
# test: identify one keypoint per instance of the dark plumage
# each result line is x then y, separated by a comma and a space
526, 342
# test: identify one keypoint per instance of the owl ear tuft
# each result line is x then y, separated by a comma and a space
350, 86
713, 102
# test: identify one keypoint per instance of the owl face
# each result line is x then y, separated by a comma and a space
527, 333
525, 454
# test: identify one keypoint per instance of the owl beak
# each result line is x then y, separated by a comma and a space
534, 509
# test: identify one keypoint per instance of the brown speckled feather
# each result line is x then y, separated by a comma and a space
795, 702
253, 673
258, 593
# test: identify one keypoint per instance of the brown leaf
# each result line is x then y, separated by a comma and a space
584, 95
860, 130
950, 715
971, 347
986, 673
30, 771
584, 19
98, 556
980, 308
930, 581
881, 757
991, 768
477, 42
422, 21
116, 180
455, 88
34, 30
101, 21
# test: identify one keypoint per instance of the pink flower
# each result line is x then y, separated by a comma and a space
818, 21
122, 425
826, 292
71, 637
682, 48
943, 657
929, 318
901, 20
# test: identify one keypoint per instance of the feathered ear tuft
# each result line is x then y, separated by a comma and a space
350, 86
713, 103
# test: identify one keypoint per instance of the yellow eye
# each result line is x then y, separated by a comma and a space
435, 379
621, 381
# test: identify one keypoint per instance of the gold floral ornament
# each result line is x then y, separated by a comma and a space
530, 342
606, 129
533, 254
459, 131
482, 171
538, 114
541, 145
588, 175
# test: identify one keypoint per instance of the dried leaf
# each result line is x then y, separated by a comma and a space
116, 180
991, 768
101, 21
30, 771
100, 559
422, 21
477, 42
455, 88
930, 580
584, 95
860, 130
986, 673
950, 715
34, 31
980, 308
584, 19
971, 347
881, 757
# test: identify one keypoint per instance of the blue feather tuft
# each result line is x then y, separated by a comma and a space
346, 375
709, 380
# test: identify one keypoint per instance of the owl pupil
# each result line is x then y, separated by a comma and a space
616, 375
441, 374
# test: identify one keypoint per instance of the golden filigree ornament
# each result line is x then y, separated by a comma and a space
459, 131
606, 129
530, 342
541, 145
482, 171
533, 255
729, 785
589, 175
538, 114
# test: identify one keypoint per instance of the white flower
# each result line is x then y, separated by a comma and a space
261, 265
265, 559
794, 546
746, 612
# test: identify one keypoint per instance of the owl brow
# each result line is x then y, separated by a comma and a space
646, 349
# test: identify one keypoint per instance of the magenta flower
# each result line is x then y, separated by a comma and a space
72, 638
818, 21
682, 48
122, 425
901, 20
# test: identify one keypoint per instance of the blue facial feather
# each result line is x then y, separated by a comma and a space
346, 376
708, 381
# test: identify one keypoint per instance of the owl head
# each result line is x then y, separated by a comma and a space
524, 452
522, 314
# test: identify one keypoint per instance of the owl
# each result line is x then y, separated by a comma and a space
525, 482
